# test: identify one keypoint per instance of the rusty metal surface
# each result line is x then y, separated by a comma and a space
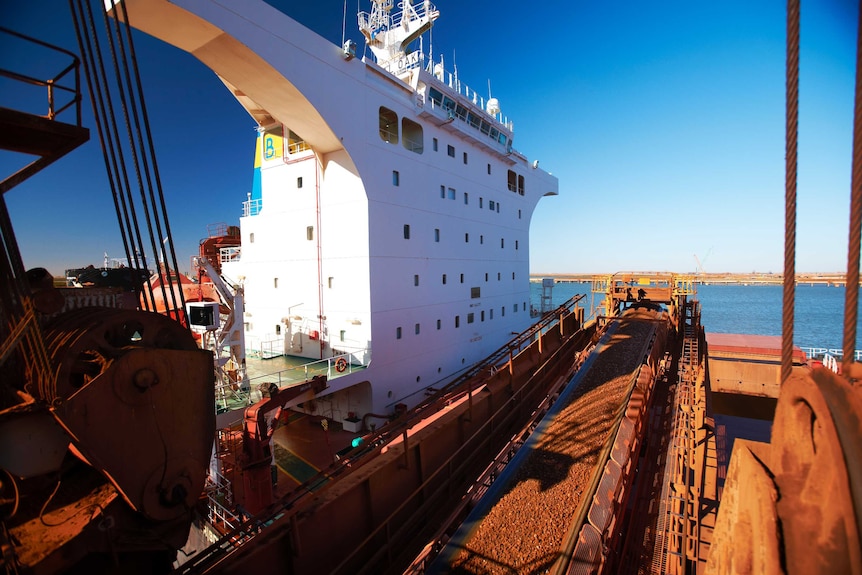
808, 480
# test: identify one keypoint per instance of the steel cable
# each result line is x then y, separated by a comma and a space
851, 285
791, 133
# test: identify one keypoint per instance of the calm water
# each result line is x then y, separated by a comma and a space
819, 318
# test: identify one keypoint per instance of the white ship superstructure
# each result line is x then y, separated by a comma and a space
389, 220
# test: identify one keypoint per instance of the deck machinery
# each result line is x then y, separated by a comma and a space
106, 412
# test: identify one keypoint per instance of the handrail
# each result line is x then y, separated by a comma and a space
51, 83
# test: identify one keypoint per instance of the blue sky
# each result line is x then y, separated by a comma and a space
664, 122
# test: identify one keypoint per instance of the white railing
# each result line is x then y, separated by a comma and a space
297, 147
251, 207
221, 505
818, 352
231, 254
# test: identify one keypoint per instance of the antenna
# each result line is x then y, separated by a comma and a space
489, 88
344, 23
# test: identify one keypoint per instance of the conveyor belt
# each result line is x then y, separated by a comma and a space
524, 521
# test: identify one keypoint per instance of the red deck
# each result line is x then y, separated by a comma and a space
741, 343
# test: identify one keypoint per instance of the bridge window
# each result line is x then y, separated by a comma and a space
388, 125
411, 136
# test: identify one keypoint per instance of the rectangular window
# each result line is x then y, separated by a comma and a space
486, 277
466, 198
309, 233
457, 321
492, 313
482, 315
466, 238
502, 243
398, 332
513, 275
416, 280
275, 283
251, 238
491, 205
450, 149
516, 244
481, 239
299, 182
523, 306
498, 207
462, 278
498, 276
443, 192
329, 282
439, 324
489, 169
519, 214
512, 181
521, 185
436, 234
434, 144
416, 329
470, 318
481, 202
411, 136
388, 122
278, 329
451, 193
503, 311
406, 231
475, 292
342, 334
515, 308
395, 178
465, 158
444, 279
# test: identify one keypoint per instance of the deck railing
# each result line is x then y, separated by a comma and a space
819, 352
70, 75
251, 207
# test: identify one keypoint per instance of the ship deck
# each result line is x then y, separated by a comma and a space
283, 370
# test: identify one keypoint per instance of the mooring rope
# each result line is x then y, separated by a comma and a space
851, 285
791, 132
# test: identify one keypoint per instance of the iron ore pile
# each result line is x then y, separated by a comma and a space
524, 531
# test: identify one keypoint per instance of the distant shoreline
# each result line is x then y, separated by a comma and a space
828, 278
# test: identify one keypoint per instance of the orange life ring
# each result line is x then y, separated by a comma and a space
340, 364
